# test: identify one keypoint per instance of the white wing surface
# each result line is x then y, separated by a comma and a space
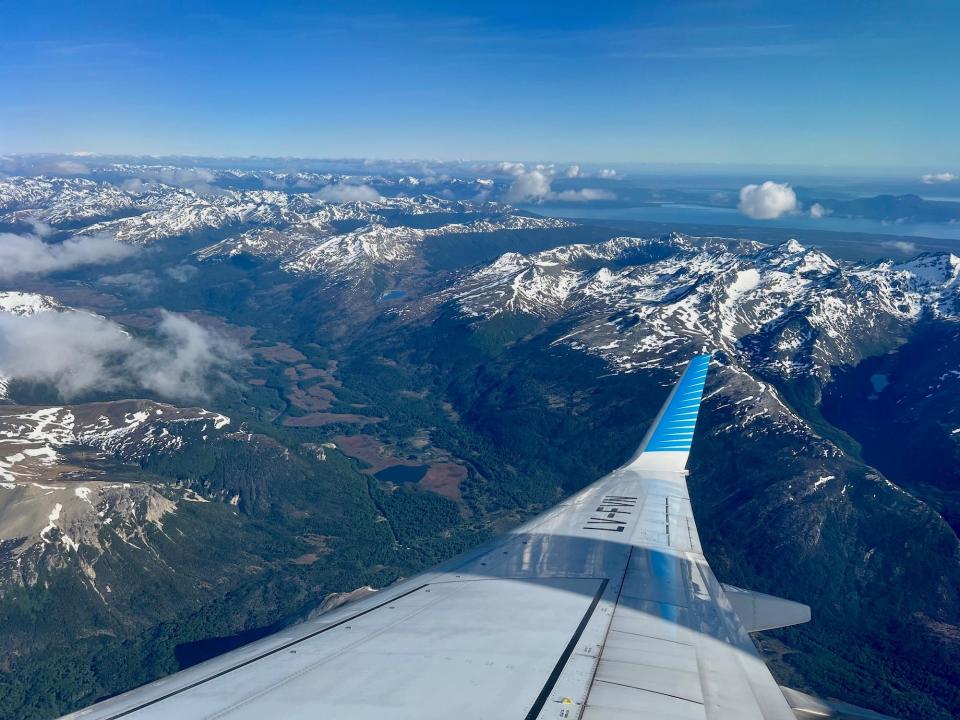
602, 607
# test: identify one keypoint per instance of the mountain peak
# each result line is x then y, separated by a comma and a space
26, 303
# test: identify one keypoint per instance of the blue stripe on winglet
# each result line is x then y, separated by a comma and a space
674, 432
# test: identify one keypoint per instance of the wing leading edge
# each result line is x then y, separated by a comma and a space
602, 607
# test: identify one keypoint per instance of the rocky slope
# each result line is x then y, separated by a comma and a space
62, 488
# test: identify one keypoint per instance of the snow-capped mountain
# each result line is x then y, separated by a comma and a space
20, 303
142, 212
59, 201
55, 494
785, 308
311, 248
175, 212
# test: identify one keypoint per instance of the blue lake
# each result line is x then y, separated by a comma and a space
403, 473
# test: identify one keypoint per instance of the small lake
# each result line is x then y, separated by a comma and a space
399, 474
879, 382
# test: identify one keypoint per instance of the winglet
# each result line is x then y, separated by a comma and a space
808, 707
667, 444
759, 611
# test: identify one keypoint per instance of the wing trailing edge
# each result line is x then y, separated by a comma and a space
759, 611
668, 441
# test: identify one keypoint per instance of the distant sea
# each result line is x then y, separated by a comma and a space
700, 215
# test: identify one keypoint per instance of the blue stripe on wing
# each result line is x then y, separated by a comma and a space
674, 432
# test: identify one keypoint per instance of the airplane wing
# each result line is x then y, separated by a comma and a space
602, 607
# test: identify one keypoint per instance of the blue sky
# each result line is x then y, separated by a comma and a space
836, 84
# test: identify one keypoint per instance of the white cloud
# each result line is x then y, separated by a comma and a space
40, 228
187, 177
79, 353
530, 186
141, 283
534, 186
817, 211
607, 173
70, 167
572, 171
196, 179
342, 192
181, 363
943, 177
134, 185
147, 282
303, 184
30, 255
767, 201
511, 168
584, 195
69, 350
182, 273
904, 246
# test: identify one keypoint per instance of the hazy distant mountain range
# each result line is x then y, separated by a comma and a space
893, 200
227, 394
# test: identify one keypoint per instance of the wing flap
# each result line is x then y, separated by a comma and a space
490, 640
611, 701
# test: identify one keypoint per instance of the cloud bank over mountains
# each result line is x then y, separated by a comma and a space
79, 353
333, 180
534, 185
343, 192
30, 254
902, 246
